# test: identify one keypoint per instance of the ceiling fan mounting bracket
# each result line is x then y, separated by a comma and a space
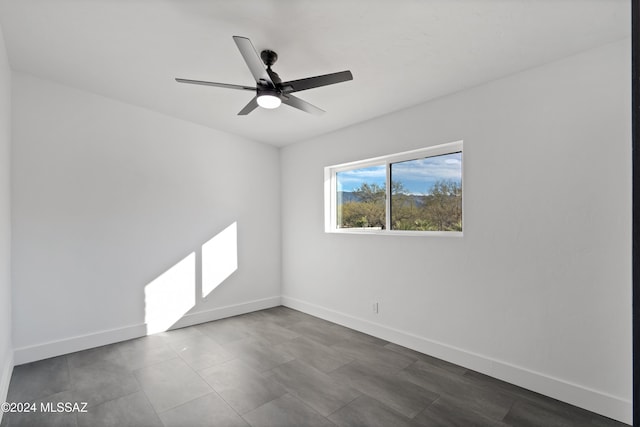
269, 57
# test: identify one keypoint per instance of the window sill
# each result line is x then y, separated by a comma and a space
413, 233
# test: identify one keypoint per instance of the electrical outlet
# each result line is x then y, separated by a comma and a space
375, 307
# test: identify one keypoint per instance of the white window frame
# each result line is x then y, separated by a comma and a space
330, 189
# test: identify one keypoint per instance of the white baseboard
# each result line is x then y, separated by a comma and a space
82, 342
49, 349
226, 311
592, 400
5, 377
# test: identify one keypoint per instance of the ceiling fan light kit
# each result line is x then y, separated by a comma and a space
269, 100
270, 90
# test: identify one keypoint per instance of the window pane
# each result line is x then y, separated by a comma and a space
426, 194
361, 198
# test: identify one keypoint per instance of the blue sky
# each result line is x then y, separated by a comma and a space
417, 176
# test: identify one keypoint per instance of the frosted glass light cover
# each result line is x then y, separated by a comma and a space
269, 101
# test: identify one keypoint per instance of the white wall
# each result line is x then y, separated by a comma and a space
538, 291
6, 350
107, 197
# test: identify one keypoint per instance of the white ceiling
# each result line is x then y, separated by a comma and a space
401, 52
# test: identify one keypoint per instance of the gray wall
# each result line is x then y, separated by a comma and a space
538, 290
6, 354
112, 206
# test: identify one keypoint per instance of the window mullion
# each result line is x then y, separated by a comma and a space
388, 196
334, 201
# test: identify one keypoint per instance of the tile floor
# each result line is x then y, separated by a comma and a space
276, 367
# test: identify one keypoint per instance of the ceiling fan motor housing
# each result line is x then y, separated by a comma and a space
266, 91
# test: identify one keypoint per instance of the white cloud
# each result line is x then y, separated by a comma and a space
415, 174
356, 177
420, 174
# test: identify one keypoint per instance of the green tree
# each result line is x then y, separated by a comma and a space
443, 207
370, 193
439, 210
367, 210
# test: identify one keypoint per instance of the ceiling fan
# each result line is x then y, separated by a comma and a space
270, 90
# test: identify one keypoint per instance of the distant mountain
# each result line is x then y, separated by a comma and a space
352, 196
347, 197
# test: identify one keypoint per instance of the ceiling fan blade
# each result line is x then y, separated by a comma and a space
226, 85
253, 60
252, 105
317, 81
298, 103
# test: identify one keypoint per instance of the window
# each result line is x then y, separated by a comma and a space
415, 192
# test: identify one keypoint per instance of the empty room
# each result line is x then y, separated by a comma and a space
317, 213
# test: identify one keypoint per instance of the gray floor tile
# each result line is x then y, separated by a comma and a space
273, 333
368, 412
99, 376
44, 414
175, 336
39, 379
502, 386
400, 395
534, 402
320, 332
459, 390
442, 414
258, 354
273, 367
456, 369
225, 331
98, 386
263, 316
240, 386
201, 352
171, 383
133, 410
530, 406
107, 354
376, 356
286, 411
313, 387
526, 414
552, 413
315, 354
206, 411
145, 351
285, 316
600, 421
351, 335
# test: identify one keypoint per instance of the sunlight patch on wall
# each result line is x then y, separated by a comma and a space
170, 295
219, 258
